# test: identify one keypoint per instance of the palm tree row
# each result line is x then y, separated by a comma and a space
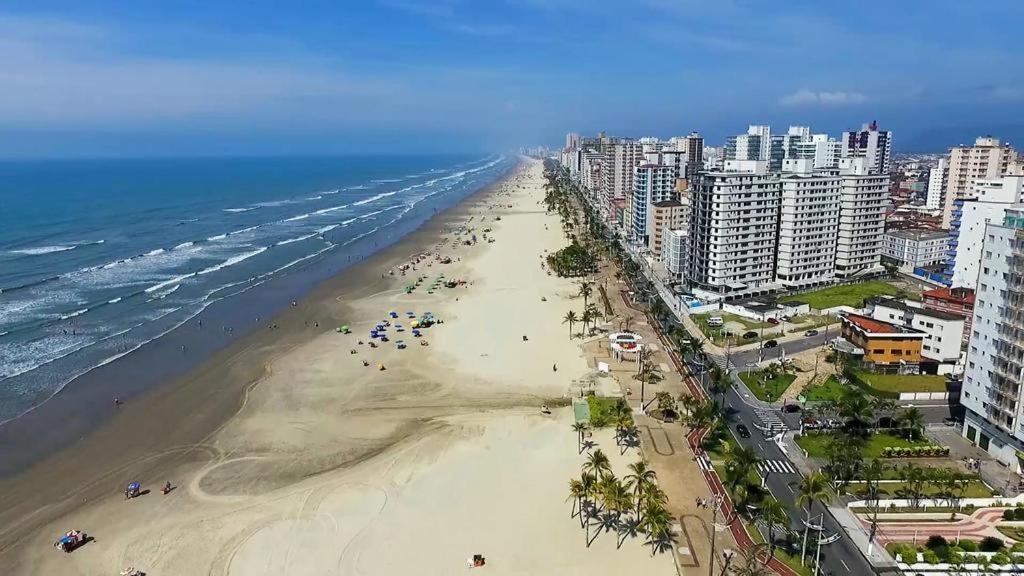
634, 503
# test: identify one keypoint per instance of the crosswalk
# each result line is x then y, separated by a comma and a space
771, 419
704, 463
776, 467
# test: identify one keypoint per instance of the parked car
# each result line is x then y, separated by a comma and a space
791, 408
750, 335
811, 424
743, 431
786, 318
715, 321
770, 344
811, 333
773, 320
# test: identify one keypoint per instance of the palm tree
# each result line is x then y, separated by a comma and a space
586, 289
589, 485
640, 480
655, 523
579, 428
913, 422
810, 490
570, 317
883, 407
577, 492
586, 318
597, 464
649, 373
617, 500
749, 565
856, 412
623, 423
774, 515
738, 467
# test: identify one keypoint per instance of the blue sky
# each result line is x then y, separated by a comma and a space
84, 78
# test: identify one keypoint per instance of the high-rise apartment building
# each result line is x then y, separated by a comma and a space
869, 143
756, 144
937, 185
995, 353
808, 225
987, 202
620, 157
986, 160
733, 229
863, 196
652, 184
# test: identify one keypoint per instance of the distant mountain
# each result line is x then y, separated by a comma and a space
941, 138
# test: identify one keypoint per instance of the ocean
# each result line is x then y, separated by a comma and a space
101, 257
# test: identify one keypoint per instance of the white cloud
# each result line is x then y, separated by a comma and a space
810, 97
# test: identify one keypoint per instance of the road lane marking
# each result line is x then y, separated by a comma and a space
843, 562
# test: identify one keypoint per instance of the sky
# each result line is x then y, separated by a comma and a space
84, 78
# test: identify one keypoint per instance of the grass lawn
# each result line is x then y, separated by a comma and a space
974, 489
816, 444
830, 389
601, 410
1014, 532
905, 383
767, 391
717, 454
716, 334
848, 295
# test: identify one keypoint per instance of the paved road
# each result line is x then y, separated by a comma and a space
839, 558
741, 359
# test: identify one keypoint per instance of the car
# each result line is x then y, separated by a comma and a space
715, 321
811, 333
791, 408
743, 431
770, 344
750, 335
773, 320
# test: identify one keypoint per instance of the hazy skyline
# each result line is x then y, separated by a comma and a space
105, 78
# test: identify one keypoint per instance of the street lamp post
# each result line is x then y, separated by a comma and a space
716, 502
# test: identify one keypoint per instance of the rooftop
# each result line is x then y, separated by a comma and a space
959, 295
918, 234
668, 204
869, 325
902, 305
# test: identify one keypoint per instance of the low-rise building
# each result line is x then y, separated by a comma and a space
959, 301
943, 332
885, 347
915, 248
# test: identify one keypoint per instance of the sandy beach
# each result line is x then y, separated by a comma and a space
294, 453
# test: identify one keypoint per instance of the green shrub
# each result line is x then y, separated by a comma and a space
930, 557
1010, 514
936, 541
1000, 558
1017, 558
907, 552
955, 557
1017, 547
968, 545
991, 544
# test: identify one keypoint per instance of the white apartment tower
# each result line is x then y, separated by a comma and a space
987, 203
995, 353
754, 145
652, 183
986, 160
863, 196
869, 143
937, 185
733, 227
808, 224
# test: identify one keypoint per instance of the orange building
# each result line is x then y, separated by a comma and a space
887, 347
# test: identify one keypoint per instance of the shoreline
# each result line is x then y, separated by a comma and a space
338, 451
86, 402
183, 409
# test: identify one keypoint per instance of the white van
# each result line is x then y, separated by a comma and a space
715, 321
